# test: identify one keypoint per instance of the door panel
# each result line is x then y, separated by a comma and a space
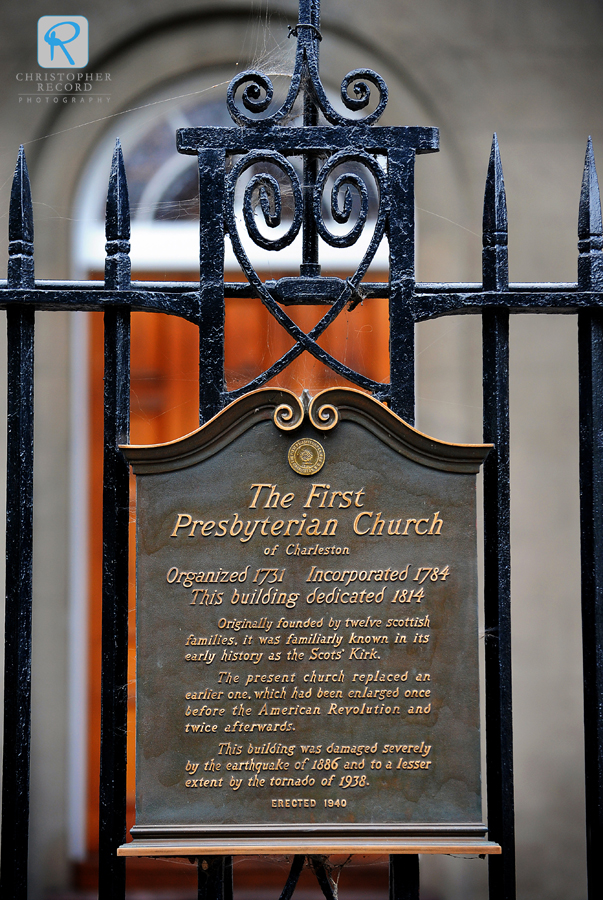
164, 406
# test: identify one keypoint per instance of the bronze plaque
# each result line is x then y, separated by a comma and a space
307, 658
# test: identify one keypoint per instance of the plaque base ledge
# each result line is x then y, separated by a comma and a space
278, 847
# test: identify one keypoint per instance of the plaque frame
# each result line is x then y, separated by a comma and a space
323, 413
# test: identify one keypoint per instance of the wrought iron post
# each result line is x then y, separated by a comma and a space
19, 544
590, 348
214, 878
116, 515
211, 293
497, 536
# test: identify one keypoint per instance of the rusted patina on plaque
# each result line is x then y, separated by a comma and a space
307, 643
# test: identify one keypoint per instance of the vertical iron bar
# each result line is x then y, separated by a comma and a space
324, 882
293, 877
211, 262
228, 878
114, 679
19, 545
309, 267
403, 870
214, 874
214, 878
401, 171
590, 351
404, 876
497, 539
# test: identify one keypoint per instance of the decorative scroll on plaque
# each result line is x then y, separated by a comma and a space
307, 655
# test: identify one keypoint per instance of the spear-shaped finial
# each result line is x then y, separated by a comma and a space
117, 225
590, 227
495, 259
20, 228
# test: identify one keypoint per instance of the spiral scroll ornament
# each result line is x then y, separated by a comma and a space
341, 203
266, 188
359, 80
341, 213
324, 417
257, 96
257, 92
269, 193
251, 102
288, 418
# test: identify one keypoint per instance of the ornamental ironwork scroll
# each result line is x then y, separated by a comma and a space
362, 175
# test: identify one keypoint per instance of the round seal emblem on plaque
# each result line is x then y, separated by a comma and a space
306, 456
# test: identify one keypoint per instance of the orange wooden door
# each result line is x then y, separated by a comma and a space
164, 406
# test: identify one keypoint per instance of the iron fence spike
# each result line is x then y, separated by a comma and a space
495, 265
590, 227
20, 221
117, 225
495, 200
117, 219
20, 227
589, 216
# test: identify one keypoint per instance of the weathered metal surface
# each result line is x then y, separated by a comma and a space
323, 679
497, 537
19, 544
116, 514
590, 349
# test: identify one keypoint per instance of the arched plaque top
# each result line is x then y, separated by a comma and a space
326, 411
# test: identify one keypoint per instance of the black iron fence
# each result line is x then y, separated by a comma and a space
271, 158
